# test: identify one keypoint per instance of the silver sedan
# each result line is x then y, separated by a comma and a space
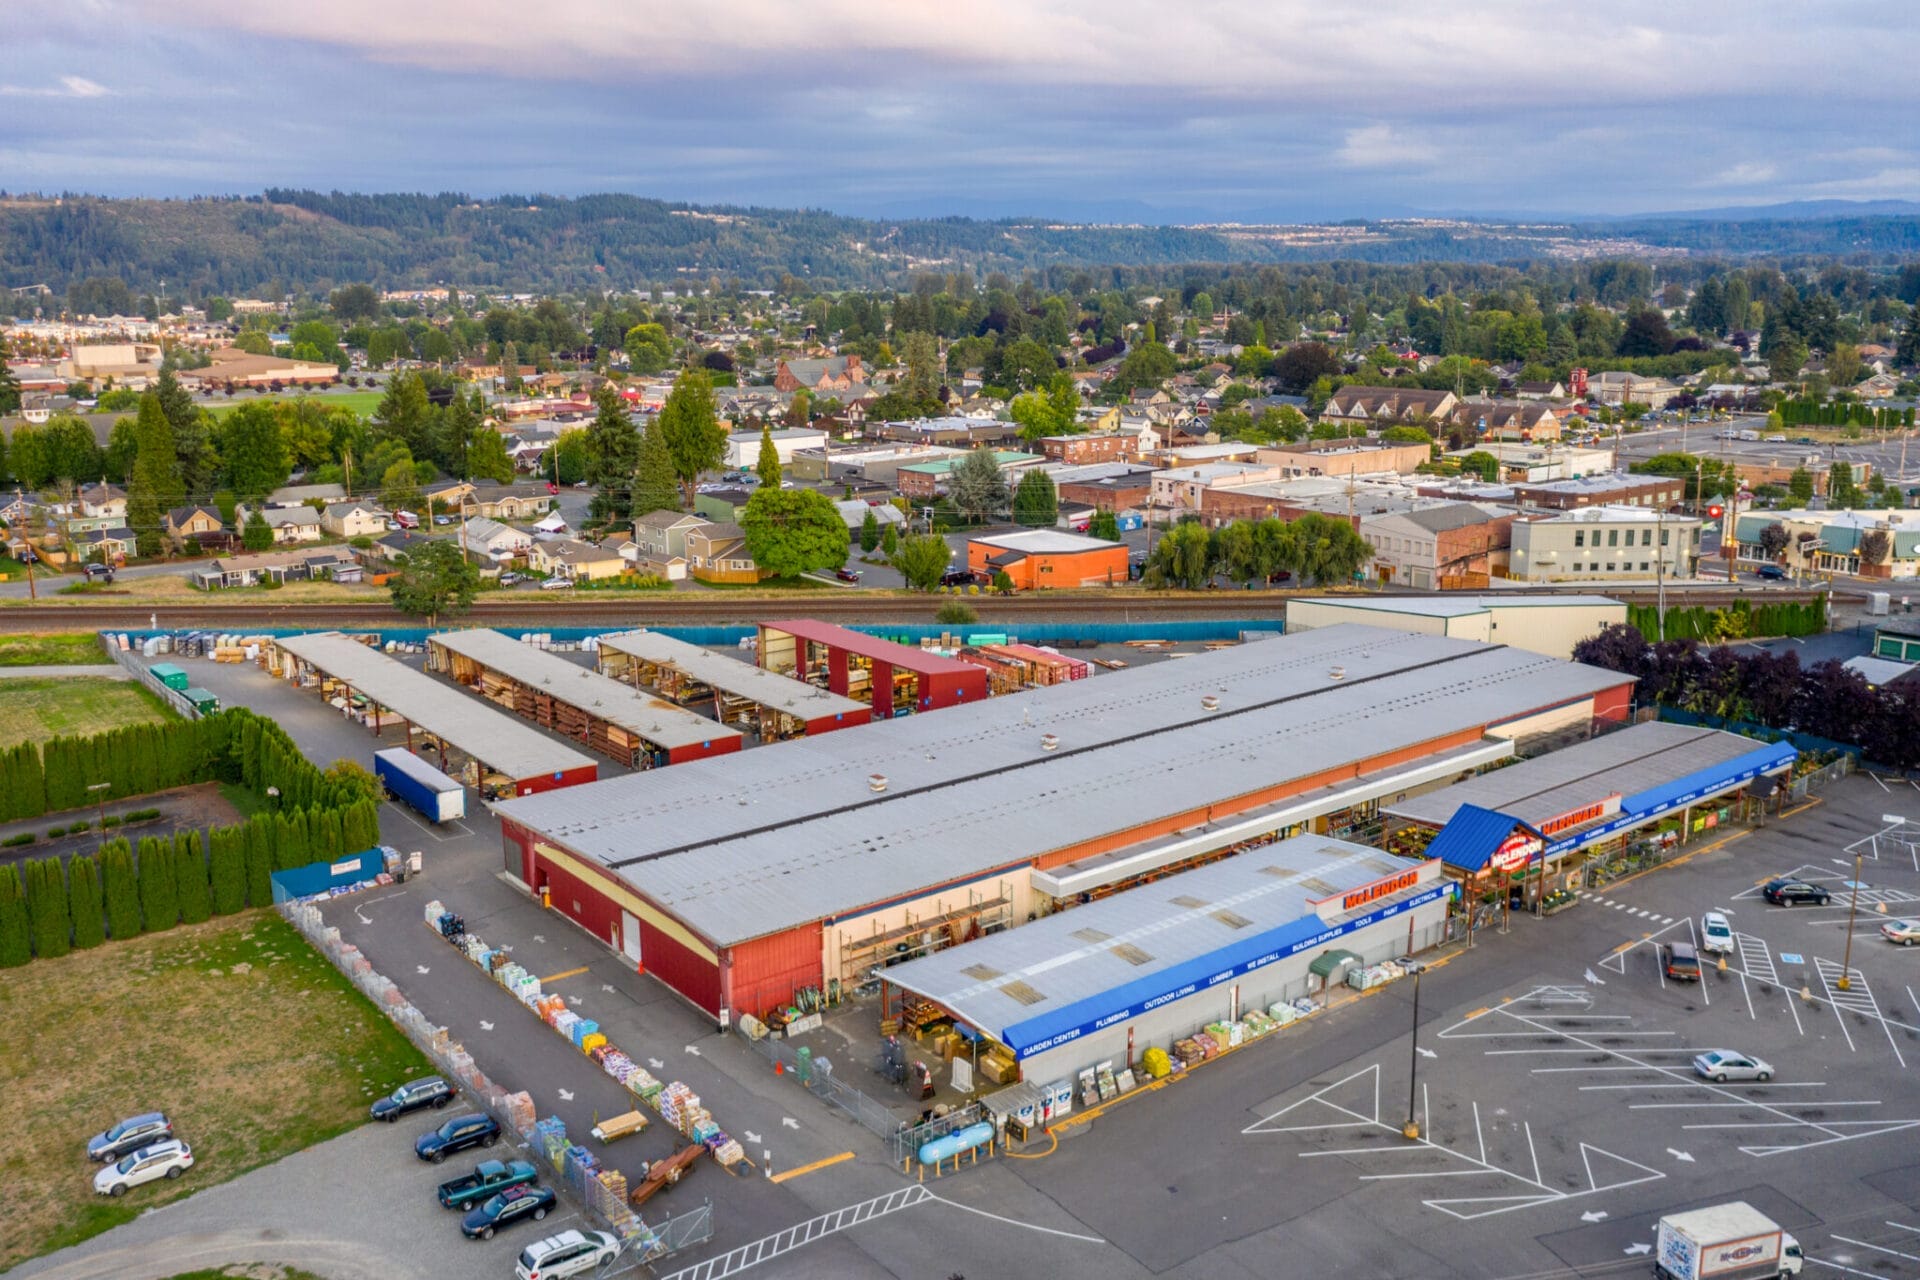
1722, 1065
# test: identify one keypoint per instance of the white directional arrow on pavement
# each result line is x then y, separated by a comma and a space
607, 987
539, 937
1595, 980
1593, 1215
1428, 1053
750, 1136
566, 1095
1680, 1155
505, 946
420, 968
573, 999
485, 1025
1642, 1247
694, 1051
790, 1122
362, 916
656, 1064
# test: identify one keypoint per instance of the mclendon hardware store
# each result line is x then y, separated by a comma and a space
740, 880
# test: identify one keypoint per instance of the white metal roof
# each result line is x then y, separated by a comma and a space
1044, 542
1457, 606
658, 721
503, 742
791, 834
730, 675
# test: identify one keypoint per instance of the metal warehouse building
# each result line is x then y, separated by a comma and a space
737, 881
1110, 980
614, 719
895, 679
776, 706
529, 759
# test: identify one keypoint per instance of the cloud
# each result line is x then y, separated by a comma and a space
1746, 173
70, 87
1381, 146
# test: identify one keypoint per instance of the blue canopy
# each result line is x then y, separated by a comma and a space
1472, 836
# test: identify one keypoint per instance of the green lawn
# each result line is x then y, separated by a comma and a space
361, 402
69, 649
251, 1042
767, 584
248, 1271
35, 709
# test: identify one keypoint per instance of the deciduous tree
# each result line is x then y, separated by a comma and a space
692, 434
435, 581
793, 531
976, 486
1036, 504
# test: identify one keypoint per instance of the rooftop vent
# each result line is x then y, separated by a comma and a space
876, 782
1338, 673
1048, 742
1209, 703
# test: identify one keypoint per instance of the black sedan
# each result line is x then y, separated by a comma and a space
1788, 892
457, 1134
516, 1204
415, 1094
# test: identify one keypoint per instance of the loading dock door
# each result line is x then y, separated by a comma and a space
630, 936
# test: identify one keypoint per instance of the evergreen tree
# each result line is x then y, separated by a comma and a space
487, 457
83, 891
122, 889
159, 895
30, 784
768, 465
613, 452
227, 869
155, 483
9, 394
405, 414
509, 367
190, 877
259, 864
47, 908
869, 531
654, 486
1036, 504
692, 432
460, 433
194, 460
323, 826
16, 946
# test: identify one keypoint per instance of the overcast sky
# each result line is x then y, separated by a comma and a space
1077, 108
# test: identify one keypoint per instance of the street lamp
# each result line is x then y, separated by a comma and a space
1411, 1129
99, 790
273, 793
1853, 909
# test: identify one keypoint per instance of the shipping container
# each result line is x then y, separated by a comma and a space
421, 786
169, 675
204, 701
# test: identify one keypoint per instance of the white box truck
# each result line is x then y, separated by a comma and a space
1723, 1242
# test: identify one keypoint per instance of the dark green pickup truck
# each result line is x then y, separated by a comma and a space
488, 1179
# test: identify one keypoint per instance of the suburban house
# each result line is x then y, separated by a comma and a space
522, 501
275, 566
353, 520
289, 524
107, 546
294, 495
499, 543
722, 506
1388, 404
718, 553
399, 544
662, 535
103, 501
832, 374
449, 494
201, 524
571, 558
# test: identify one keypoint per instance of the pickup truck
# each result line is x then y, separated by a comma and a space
489, 1178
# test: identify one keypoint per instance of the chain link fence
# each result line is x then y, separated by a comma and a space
1818, 779
602, 1195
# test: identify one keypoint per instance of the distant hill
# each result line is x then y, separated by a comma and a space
307, 239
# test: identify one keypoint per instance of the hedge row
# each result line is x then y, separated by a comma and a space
1737, 621
234, 746
184, 879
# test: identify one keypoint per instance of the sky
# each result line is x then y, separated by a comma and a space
1115, 110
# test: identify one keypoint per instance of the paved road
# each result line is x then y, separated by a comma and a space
104, 671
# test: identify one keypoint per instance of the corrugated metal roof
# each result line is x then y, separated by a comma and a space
660, 722
1472, 836
1630, 760
730, 675
1009, 802
1083, 961
900, 655
1456, 606
503, 742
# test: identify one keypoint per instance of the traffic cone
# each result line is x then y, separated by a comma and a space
779, 1068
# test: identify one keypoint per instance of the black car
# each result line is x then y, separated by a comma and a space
1787, 892
958, 578
129, 1135
516, 1204
457, 1134
415, 1094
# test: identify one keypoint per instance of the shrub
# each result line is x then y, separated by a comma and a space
122, 889
54, 833
141, 815
956, 614
47, 908
83, 894
228, 870
190, 878
111, 821
15, 945
159, 895
14, 842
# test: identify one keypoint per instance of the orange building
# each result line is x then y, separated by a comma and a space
1036, 558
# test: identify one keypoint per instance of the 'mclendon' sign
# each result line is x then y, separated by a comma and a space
1379, 889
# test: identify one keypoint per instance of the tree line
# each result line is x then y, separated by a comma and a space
1312, 547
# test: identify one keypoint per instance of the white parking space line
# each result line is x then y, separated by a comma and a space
1911, 1257
1756, 958
1859, 999
1849, 1271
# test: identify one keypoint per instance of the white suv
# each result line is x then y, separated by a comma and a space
167, 1159
570, 1253
1716, 935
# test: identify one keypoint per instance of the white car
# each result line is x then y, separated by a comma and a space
1722, 1065
167, 1159
556, 584
1716, 935
1904, 932
571, 1253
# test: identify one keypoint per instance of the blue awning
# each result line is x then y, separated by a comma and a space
1472, 836
1643, 806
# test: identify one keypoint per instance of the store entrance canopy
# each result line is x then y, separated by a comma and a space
1328, 963
1475, 838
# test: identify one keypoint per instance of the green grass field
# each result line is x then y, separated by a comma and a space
361, 402
33, 710
66, 649
251, 1042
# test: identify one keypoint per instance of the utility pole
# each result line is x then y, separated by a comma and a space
1411, 1130
1853, 909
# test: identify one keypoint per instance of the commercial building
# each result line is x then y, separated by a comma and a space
1837, 541
743, 447
1084, 449
1442, 546
772, 706
1555, 812
1595, 544
615, 719
1038, 558
1537, 623
1612, 490
1108, 981
1345, 458
894, 679
1534, 463
506, 756
800, 863
1897, 638
924, 481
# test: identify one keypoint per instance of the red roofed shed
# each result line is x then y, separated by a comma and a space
856, 665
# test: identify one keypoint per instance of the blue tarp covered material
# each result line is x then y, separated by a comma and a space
318, 877
1472, 836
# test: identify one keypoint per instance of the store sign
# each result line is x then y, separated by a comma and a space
1185, 986
1379, 889
1642, 817
1516, 850
1581, 816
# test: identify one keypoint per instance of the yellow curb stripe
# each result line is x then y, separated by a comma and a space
815, 1167
571, 973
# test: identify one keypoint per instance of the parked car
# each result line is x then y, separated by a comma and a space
958, 578
1722, 1065
99, 572
1716, 935
415, 1094
1785, 891
167, 1159
516, 1205
847, 575
129, 1135
552, 488
1904, 932
556, 584
571, 1253
1770, 573
488, 1179
457, 1134
406, 519
1682, 962
509, 579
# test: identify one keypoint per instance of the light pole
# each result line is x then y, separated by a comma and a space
99, 790
1853, 909
1411, 1129
273, 794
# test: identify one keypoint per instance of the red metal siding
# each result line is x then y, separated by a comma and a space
840, 720
765, 972
1613, 704
701, 750
693, 976
952, 688
547, 782
518, 848
579, 901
